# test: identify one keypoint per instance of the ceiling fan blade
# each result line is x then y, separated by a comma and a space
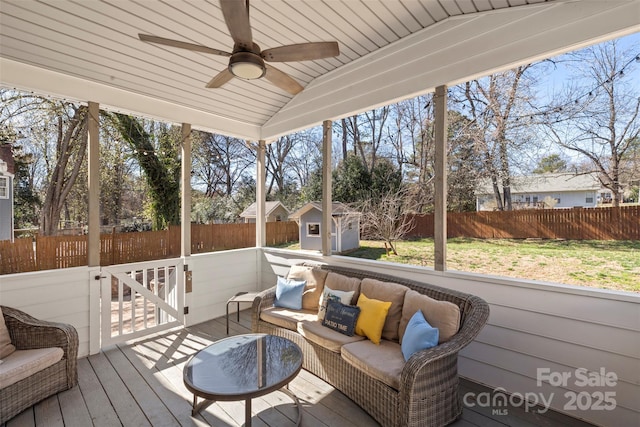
282, 80
181, 45
236, 15
301, 52
222, 77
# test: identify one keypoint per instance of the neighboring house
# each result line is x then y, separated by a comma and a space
345, 227
545, 191
6, 192
273, 211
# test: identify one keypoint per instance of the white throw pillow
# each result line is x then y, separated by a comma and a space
345, 298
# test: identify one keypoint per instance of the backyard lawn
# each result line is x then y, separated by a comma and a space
599, 264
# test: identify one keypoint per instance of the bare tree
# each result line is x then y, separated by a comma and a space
67, 159
386, 218
495, 106
221, 162
599, 119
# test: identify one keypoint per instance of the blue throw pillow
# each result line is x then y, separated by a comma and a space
419, 335
289, 293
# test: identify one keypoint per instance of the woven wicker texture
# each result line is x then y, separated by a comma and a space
28, 332
428, 394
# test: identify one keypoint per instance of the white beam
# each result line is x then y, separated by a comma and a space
44, 82
261, 178
93, 176
453, 51
327, 205
185, 202
440, 202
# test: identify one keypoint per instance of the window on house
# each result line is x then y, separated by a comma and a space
313, 229
589, 200
535, 199
4, 187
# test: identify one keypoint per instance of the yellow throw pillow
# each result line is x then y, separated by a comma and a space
373, 313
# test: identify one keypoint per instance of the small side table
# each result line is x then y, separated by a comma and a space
238, 298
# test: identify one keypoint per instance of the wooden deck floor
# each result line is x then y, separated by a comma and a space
140, 384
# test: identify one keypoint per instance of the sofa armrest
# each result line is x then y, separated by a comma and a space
263, 301
429, 371
27, 332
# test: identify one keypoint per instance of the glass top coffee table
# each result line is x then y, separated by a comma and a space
243, 367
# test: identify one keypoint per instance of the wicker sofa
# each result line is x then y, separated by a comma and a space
427, 390
28, 333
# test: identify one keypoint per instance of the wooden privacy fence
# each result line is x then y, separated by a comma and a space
51, 252
622, 223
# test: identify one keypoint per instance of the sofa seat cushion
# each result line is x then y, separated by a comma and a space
383, 362
391, 292
332, 340
287, 318
23, 363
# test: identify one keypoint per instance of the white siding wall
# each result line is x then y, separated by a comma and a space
533, 325
54, 295
217, 276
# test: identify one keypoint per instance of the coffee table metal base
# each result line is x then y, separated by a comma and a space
197, 407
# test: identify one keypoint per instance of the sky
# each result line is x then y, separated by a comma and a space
562, 74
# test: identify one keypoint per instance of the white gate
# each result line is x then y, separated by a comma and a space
141, 298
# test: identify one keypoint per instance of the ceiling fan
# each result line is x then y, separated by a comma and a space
247, 61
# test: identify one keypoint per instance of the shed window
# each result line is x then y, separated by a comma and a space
313, 229
4, 187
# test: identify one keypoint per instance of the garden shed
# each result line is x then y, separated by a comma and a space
345, 227
273, 212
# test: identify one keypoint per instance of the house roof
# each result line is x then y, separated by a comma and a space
389, 50
337, 209
269, 207
546, 183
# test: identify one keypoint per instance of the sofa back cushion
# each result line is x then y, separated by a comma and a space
393, 293
6, 348
443, 315
339, 282
315, 278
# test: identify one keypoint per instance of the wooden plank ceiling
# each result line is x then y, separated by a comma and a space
88, 50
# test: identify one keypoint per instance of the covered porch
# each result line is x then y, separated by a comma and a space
93, 55
140, 384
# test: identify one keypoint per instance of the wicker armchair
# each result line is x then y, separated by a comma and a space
28, 332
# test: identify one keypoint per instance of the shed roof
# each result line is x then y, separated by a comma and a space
338, 209
269, 207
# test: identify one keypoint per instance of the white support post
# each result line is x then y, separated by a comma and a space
440, 213
185, 202
93, 166
261, 175
327, 205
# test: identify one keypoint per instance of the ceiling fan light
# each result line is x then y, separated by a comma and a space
247, 65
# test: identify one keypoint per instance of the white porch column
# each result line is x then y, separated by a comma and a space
261, 177
93, 166
327, 205
440, 213
185, 202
